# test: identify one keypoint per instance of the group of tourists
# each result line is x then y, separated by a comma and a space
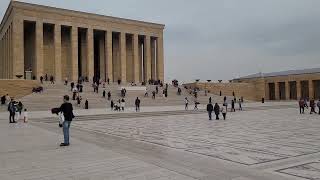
46, 78
15, 108
303, 104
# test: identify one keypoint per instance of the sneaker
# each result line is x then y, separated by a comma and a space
64, 144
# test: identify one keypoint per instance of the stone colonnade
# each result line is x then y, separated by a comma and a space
67, 51
293, 89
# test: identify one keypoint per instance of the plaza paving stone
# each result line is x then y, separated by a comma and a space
271, 141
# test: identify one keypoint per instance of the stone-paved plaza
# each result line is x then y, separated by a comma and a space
255, 144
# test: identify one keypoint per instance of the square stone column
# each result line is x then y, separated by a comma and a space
153, 59
90, 53
18, 47
277, 93
39, 49
298, 89
311, 89
136, 63
287, 85
160, 59
57, 52
108, 56
102, 59
147, 59
74, 53
123, 57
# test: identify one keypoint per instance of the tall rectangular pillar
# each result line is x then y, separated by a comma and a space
136, 63
90, 53
39, 49
160, 59
277, 92
123, 57
311, 89
18, 47
147, 59
102, 58
57, 52
298, 89
108, 46
74, 53
287, 87
153, 59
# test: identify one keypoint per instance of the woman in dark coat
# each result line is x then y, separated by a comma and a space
216, 110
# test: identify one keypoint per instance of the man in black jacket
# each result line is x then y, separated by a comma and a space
67, 110
137, 103
210, 109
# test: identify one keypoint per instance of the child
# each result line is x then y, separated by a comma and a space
25, 116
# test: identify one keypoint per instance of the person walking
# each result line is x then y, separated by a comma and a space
153, 95
19, 109
137, 103
109, 96
233, 109
72, 85
79, 98
196, 104
301, 106
224, 112
186, 102
67, 110
210, 109
112, 105
12, 111
86, 104
25, 116
122, 104
312, 106
240, 105
216, 110
104, 94
318, 104
41, 79
3, 100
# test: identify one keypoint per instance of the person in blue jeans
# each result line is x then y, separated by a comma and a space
67, 110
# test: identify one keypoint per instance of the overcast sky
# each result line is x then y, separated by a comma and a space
221, 39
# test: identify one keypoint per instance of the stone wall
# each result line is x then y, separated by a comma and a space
17, 88
249, 91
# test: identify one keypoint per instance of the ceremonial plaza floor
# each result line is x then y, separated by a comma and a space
269, 141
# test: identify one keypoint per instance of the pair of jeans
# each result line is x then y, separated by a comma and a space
210, 115
65, 128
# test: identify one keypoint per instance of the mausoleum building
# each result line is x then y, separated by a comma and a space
36, 40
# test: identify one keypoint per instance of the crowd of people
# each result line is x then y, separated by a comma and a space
17, 111
303, 104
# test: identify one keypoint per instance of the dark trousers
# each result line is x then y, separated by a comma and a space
224, 116
210, 115
217, 116
11, 116
301, 109
137, 108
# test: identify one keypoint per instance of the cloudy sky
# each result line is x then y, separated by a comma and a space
221, 39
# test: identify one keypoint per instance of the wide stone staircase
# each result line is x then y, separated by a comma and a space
53, 96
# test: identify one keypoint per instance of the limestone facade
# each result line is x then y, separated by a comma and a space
291, 85
70, 44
